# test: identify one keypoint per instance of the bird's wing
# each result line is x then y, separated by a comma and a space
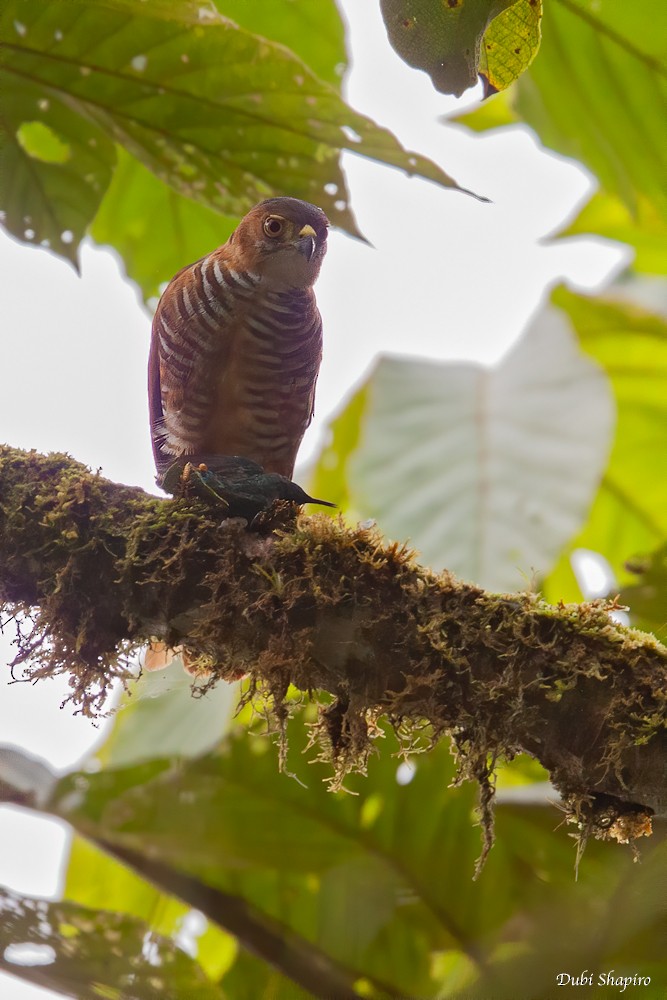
191, 336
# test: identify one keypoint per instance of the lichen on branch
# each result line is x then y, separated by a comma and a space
101, 568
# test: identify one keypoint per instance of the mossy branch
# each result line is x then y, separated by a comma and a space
101, 568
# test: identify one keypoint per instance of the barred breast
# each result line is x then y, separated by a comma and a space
234, 362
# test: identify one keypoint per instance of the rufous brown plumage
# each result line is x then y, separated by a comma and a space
237, 343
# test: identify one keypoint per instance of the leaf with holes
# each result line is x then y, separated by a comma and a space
222, 116
56, 166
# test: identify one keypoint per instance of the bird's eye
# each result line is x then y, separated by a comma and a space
273, 226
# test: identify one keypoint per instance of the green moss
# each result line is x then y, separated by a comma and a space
321, 606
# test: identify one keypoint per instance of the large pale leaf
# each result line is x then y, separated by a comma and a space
597, 92
221, 115
488, 472
629, 515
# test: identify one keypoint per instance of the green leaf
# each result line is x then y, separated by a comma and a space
494, 113
444, 39
647, 598
597, 92
629, 514
153, 228
329, 475
93, 953
381, 880
487, 472
163, 714
313, 31
55, 165
98, 881
624, 936
510, 43
222, 116
645, 231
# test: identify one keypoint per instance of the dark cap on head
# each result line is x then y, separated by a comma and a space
298, 211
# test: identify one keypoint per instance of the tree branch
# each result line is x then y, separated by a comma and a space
102, 567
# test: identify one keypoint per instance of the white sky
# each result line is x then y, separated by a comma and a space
463, 285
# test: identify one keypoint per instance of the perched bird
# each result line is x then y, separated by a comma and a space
238, 485
237, 343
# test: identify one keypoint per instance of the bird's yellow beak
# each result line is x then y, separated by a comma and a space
307, 242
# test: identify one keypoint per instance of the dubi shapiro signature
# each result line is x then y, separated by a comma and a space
610, 978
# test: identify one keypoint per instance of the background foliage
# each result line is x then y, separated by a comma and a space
123, 119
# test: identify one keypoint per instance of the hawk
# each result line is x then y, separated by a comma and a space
237, 342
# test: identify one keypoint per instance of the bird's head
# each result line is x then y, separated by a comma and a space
284, 240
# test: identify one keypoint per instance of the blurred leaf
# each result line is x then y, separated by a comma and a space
375, 888
253, 980
380, 880
99, 881
313, 31
155, 229
629, 514
163, 714
222, 116
329, 475
647, 597
24, 779
488, 472
617, 930
612, 56
645, 231
445, 39
91, 953
493, 113
597, 92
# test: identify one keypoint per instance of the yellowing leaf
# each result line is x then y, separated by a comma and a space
510, 43
442, 38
